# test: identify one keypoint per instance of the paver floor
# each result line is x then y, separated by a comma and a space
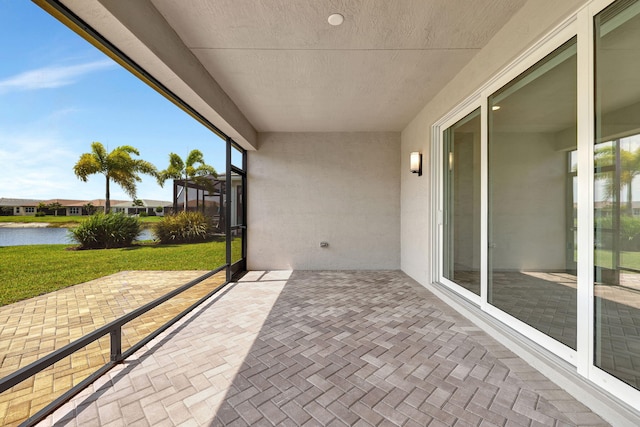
35, 327
324, 348
548, 302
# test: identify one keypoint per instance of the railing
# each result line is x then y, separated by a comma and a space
114, 329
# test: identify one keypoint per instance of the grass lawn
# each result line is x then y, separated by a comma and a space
604, 258
28, 271
66, 221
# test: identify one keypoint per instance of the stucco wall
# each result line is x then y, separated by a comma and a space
342, 188
528, 207
466, 193
536, 18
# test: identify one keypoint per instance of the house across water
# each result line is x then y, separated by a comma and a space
68, 207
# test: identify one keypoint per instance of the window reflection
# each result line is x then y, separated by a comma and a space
532, 204
462, 203
617, 192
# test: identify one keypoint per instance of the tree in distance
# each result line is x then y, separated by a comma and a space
629, 168
117, 166
193, 169
55, 207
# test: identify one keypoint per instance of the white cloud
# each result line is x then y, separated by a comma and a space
41, 167
33, 167
51, 77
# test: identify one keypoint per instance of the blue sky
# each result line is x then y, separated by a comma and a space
58, 94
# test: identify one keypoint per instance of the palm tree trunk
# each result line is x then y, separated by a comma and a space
629, 197
186, 194
107, 201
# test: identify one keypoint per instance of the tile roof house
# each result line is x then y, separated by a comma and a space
76, 207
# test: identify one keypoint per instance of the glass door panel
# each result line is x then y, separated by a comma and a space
462, 203
532, 133
617, 192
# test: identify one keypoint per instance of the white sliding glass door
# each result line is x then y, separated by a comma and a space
532, 133
538, 195
617, 192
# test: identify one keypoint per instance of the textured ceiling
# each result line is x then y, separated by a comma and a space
277, 65
287, 69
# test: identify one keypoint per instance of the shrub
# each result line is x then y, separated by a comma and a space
629, 228
184, 227
143, 214
104, 231
40, 213
89, 208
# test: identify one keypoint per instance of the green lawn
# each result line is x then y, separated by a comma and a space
28, 271
604, 258
65, 221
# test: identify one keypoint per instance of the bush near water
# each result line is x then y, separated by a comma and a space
184, 227
105, 231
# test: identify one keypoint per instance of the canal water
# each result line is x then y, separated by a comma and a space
44, 236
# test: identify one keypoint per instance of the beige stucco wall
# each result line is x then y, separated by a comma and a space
534, 20
528, 207
466, 192
342, 188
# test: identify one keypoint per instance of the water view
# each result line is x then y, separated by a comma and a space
45, 236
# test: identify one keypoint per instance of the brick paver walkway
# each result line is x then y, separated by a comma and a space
324, 348
35, 327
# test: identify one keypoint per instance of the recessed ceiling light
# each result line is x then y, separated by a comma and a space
495, 107
335, 19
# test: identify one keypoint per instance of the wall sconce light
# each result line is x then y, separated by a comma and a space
416, 163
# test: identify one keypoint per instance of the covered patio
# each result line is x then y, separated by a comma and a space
377, 324
336, 348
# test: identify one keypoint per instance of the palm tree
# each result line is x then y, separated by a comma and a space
193, 169
41, 207
138, 204
55, 206
117, 166
629, 169
89, 208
